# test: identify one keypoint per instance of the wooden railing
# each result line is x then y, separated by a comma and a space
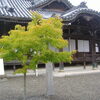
81, 57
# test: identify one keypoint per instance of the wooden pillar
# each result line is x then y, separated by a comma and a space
84, 58
14, 68
4, 28
25, 27
69, 44
76, 42
61, 64
93, 52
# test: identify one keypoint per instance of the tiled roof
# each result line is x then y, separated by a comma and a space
15, 8
19, 9
37, 3
75, 11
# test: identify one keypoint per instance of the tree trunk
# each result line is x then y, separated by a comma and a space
14, 68
24, 86
49, 79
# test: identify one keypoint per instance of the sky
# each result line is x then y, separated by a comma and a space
92, 4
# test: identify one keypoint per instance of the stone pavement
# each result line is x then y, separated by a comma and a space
74, 83
78, 87
68, 71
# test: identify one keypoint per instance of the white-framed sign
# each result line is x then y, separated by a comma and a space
1, 68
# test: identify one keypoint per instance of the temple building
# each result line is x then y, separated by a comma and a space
81, 24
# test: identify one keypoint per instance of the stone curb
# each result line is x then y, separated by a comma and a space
57, 73
64, 74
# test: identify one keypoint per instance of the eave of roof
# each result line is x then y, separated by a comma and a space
14, 19
44, 2
47, 14
73, 13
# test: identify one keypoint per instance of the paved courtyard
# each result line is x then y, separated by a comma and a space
79, 87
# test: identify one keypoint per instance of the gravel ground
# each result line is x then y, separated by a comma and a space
82, 87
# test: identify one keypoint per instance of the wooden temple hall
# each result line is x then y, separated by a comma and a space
81, 24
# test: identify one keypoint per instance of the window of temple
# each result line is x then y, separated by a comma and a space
83, 46
71, 45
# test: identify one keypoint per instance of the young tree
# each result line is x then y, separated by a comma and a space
21, 46
34, 45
